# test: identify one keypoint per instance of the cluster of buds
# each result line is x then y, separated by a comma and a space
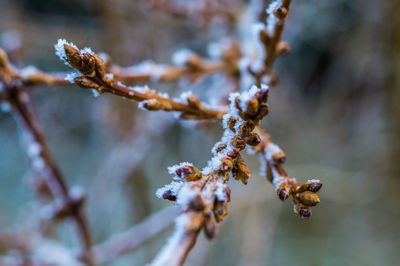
304, 195
206, 191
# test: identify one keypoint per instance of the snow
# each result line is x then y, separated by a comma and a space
313, 181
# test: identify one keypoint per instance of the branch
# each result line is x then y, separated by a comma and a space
135, 237
41, 159
272, 159
204, 195
270, 34
94, 77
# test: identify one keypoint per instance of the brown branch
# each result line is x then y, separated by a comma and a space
94, 77
42, 161
272, 40
272, 159
204, 195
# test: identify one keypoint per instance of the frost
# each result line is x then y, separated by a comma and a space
181, 57
95, 92
246, 96
174, 187
34, 149
186, 194
141, 105
28, 71
183, 97
220, 192
71, 76
87, 50
109, 76
38, 163
272, 19
270, 150
60, 51
172, 169
5, 106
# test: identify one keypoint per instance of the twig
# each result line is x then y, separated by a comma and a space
94, 77
42, 161
272, 159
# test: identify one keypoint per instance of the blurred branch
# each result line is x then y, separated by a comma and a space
135, 237
71, 203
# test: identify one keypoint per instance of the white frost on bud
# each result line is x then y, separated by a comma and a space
60, 51
172, 169
174, 187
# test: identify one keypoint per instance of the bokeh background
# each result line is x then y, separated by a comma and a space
335, 113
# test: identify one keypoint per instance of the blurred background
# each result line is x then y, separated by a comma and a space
335, 113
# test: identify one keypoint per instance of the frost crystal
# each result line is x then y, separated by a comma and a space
60, 51
95, 92
174, 187
71, 76
272, 19
172, 169
180, 57
34, 149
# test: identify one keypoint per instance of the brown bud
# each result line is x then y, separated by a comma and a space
253, 139
73, 56
280, 12
233, 153
220, 147
283, 49
309, 198
196, 203
193, 101
151, 105
238, 142
169, 195
283, 191
188, 172
241, 171
226, 164
314, 186
279, 157
220, 210
252, 107
263, 111
231, 123
303, 211
210, 227
245, 129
